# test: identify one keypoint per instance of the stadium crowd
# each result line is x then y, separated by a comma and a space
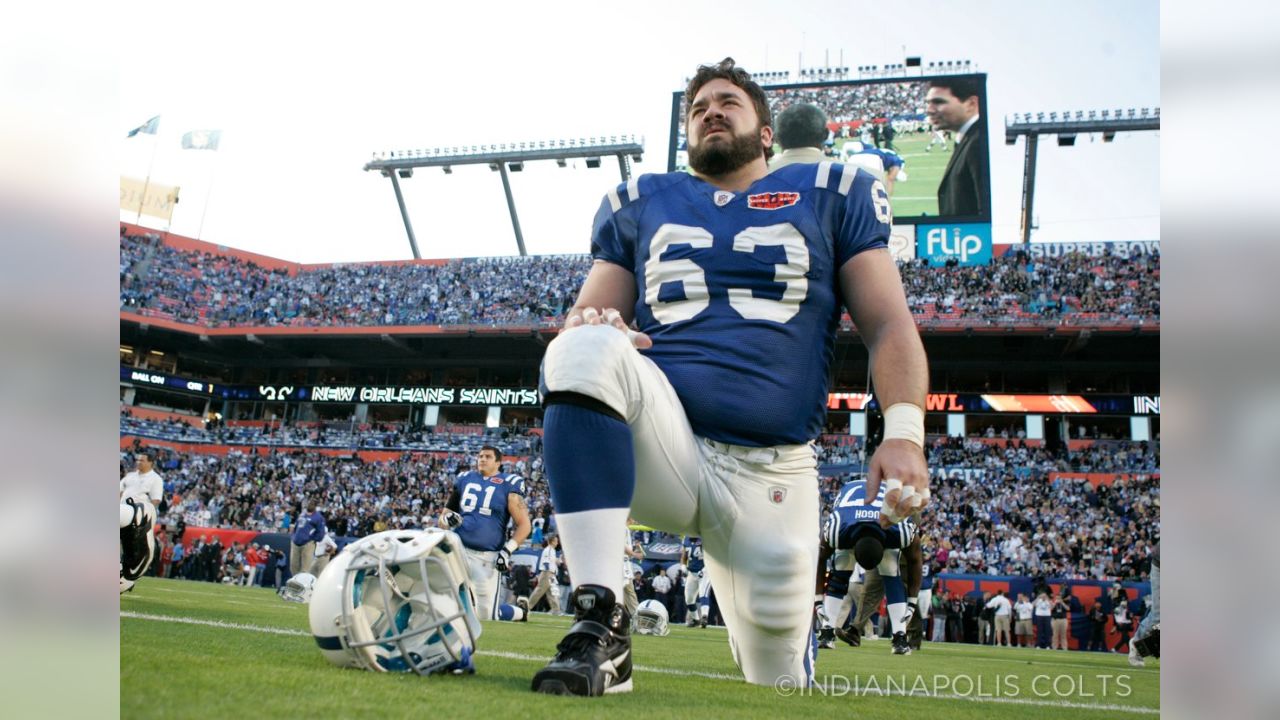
848, 103
996, 510
224, 291
1016, 284
334, 435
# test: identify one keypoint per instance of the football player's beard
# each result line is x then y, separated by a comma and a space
719, 158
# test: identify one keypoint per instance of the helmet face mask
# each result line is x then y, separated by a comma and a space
651, 619
398, 601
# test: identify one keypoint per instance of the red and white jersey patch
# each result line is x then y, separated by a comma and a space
773, 200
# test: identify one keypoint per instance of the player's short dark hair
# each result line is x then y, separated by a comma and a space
962, 88
727, 70
497, 454
801, 125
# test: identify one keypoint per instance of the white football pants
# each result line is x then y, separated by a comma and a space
756, 509
484, 578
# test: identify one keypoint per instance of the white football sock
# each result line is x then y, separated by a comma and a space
592, 541
896, 610
831, 605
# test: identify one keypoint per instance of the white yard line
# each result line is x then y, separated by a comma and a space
1138, 709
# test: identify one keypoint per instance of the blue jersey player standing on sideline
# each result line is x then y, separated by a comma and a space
697, 586
478, 510
699, 420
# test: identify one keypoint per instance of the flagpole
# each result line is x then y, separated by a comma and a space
155, 145
209, 193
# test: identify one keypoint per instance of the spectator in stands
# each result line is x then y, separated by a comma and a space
214, 291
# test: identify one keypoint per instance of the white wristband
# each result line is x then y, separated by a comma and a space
904, 421
511, 545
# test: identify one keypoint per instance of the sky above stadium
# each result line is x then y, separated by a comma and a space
304, 98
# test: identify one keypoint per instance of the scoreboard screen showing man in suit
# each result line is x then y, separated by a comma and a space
936, 126
955, 104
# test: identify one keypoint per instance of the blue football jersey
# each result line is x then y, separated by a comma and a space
740, 291
696, 562
483, 503
890, 158
848, 507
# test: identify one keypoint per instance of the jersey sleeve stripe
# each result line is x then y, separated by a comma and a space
824, 174
614, 201
633, 189
847, 175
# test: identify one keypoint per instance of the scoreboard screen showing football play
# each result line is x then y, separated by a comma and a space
897, 128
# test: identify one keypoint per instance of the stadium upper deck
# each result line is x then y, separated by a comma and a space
202, 287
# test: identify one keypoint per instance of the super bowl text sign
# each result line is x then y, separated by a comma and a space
967, 243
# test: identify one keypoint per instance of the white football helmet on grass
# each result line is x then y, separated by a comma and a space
651, 619
299, 588
398, 601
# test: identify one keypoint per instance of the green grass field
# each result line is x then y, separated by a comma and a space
919, 194
200, 650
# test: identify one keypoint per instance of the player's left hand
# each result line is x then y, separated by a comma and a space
900, 460
503, 561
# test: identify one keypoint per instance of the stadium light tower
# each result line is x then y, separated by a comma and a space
1066, 126
504, 158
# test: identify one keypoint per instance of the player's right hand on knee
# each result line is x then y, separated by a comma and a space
611, 316
901, 466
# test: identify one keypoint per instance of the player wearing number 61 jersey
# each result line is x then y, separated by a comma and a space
478, 510
700, 418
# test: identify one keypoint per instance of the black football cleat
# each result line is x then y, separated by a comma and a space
826, 639
853, 636
900, 646
523, 604
594, 658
